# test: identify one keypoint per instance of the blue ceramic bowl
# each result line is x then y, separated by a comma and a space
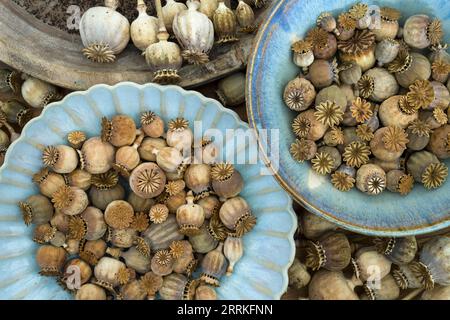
269, 248
271, 68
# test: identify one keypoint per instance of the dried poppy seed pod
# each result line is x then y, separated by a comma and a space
389, 165
378, 85
178, 287
176, 201
405, 278
139, 204
420, 31
434, 263
440, 142
303, 55
127, 158
299, 94
368, 262
80, 179
233, 249
437, 293
197, 178
168, 158
208, 7
190, 216
303, 149
227, 182
38, 93
435, 119
324, 44
245, 17
123, 238
400, 182
70, 200
119, 131
331, 285
179, 135
144, 28
61, 222
73, 246
387, 290
44, 233
333, 94
76, 139
185, 264
147, 180
151, 283
90, 291
162, 263
105, 272
400, 251
10, 81
170, 11
371, 179
12, 109
152, 124
440, 70
360, 13
386, 51
409, 67
359, 49
334, 154
389, 143
426, 168
204, 292
225, 24
36, 209
322, 73
350, 73
95, 223
391, 113
96, 156
203, 242
346, 26
327, 22
119, 214
148, 145
389, 26
236, 215
230, 90
50, 260
132, 291
298, 275
162, 235
105, 189
61, 158
332, 251
306, 125
210, 205
135, 260
214, 265
418, 134
84, 269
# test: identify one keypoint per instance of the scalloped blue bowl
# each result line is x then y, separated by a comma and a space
271, 68
269, 248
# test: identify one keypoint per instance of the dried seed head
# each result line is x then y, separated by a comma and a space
43, 233
390, 14
302, 46
440, 67
329, 113
217, 229
356, 154
148, 181
178, 124
147, 117
40, 176
342, 181
100, 53
177, 249
151, 283
76, 139
106, 180
315, 255
27, 213
406, 107
159, 213
323, 163
301, 126
295, 99
124, 275
435, 33
107, 129
222, 171
362, 41
119, 214
366, 86
175, 187
401, 63
142, 247
50, 156
317, 37
420, 128
63, 197
435, 175
423, 273
440, 116
140, 222
361, 110
77, 228
359, 11
346, 21
421, 94
405, 184
336, 135
364, 132
395, 139
303, 149
163, 257
376, 184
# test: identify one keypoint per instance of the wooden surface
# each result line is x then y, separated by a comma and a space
45, 52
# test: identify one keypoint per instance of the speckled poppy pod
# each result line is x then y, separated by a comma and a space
106, 272
421, 32
214, 266
152, 124
360, 49
198, 179
36, 209
178, 287
389, 25
332, 252
61, 158
50, 260
227, 182
426, 168
163, 234
434, 263
190, 217
70, 200
225, 24
96, 156
324, 44
147, 180
400, 251
236, 215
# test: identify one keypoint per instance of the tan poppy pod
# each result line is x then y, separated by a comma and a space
70, 200
119, 131
440, 142
210, 205
84, 269
123, 238
168, 158
245, 17
426, 168
60, 221
96, 156
48, 182
377, 85
233, 250
299, 276
36, 209
231, 90
441, 96
225, 24
400, 182
306, 125
208, 7
410, 67
106, 272
127, 158
331, 285
299, 94
152, 125
80, 179
389, 26
359, 49
61, 159
197, 178
387, 290
236, 215
400, 251
38, 93
350, 73
132, 291
144, 28
135, 260
332, 93
101, 197
313, 226
371, 179
386, 51
95, 223
44, 233
163, 234
204, 292
90, 291
162, 263
10, 81
147, 180
324, 44
322, 73
73, 246
178, 287
119, 214
12, 110
203, 242
176, 201
214, 265
332, 251
139, 204
185, 264
421, 32
170, 11
190, 217
50, 260
391, 114
92, 250
366, 260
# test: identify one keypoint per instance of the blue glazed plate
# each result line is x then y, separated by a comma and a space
269, 248
271, 68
